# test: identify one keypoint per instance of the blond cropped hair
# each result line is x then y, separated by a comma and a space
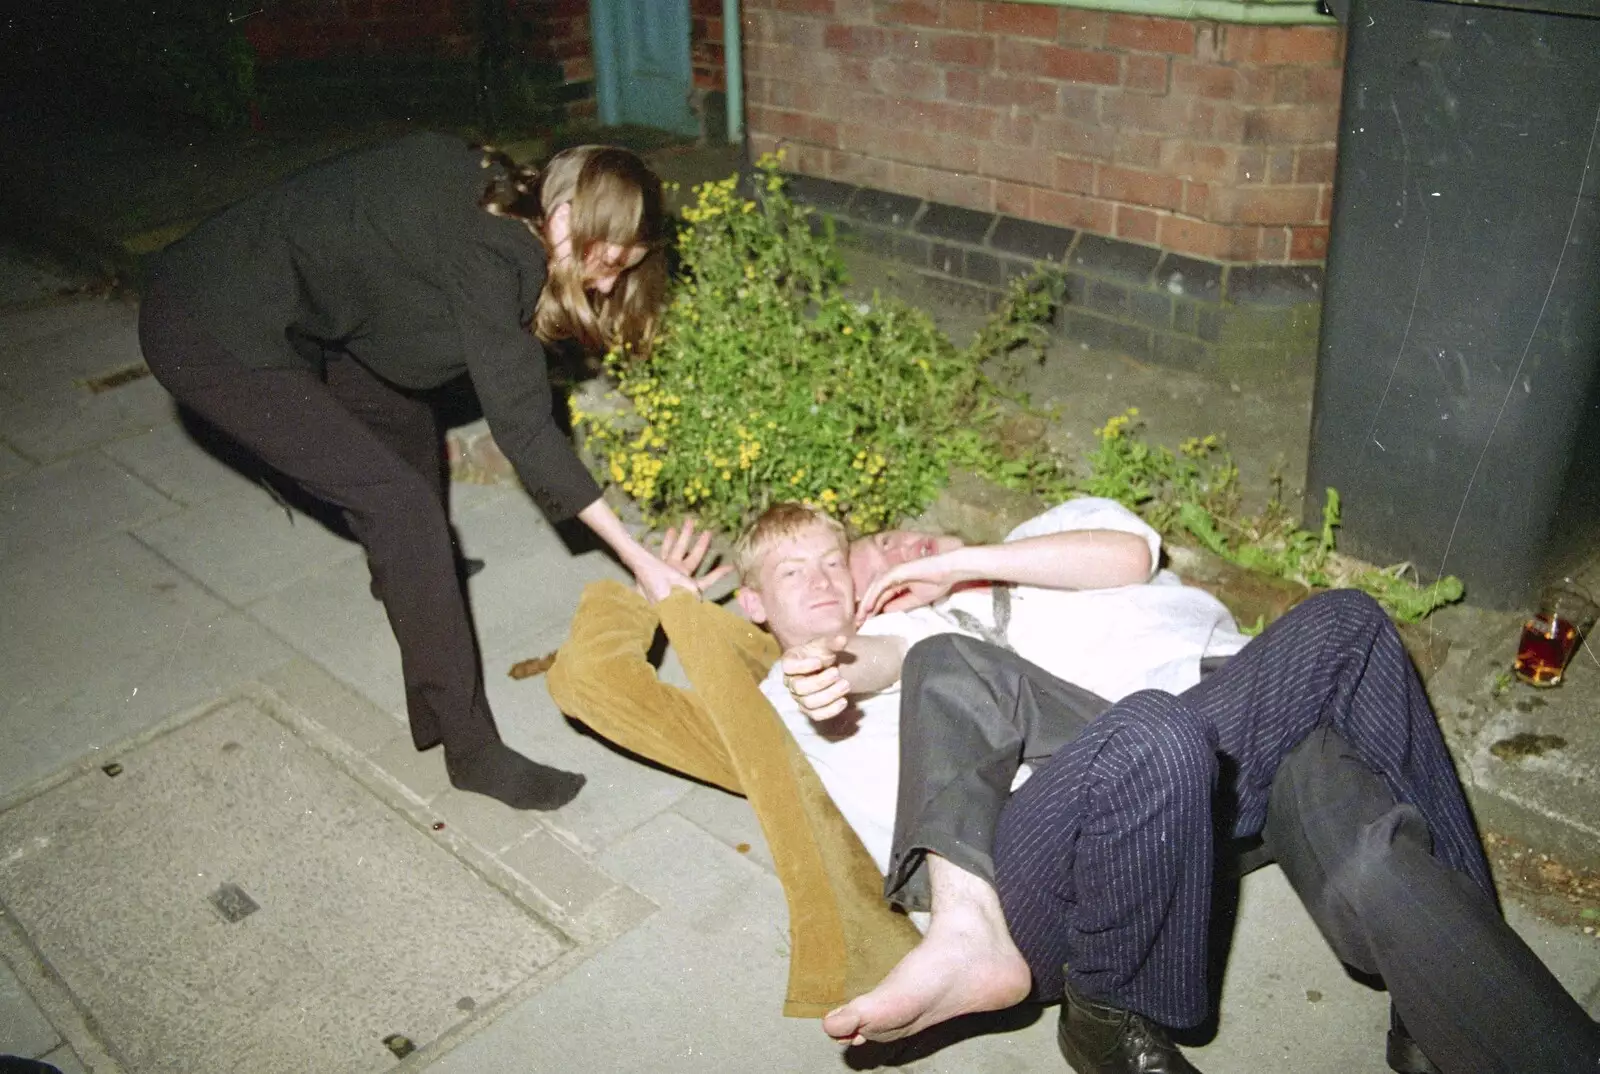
778, 522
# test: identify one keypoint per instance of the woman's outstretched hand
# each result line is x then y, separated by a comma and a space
681, 556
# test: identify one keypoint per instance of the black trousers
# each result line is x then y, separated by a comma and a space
1103, 860
355, 441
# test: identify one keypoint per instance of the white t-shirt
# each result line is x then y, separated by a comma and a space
1111, 641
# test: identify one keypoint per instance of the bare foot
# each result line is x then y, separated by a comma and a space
966, 963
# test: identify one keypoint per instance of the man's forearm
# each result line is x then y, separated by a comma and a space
870, 663
1077, 559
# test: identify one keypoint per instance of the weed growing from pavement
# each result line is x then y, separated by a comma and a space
1192, 494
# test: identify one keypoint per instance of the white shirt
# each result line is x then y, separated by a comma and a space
1111, 641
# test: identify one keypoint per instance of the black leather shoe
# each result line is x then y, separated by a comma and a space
1097, 1038
1403, 1053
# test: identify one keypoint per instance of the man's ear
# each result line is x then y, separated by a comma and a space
751, 602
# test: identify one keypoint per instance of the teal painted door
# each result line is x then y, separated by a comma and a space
641, 63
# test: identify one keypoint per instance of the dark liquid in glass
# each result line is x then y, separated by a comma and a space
1547, 645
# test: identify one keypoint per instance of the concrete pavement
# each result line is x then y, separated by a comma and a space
218, 850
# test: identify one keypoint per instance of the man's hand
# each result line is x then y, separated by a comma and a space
681, 557
912, 584
811, 674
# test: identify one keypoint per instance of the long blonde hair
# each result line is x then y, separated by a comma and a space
615, 199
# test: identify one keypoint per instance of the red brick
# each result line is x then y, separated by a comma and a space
1282, 44
1002, 91
1314, 164
1160, 115
1266, 205
1138, 149
1272, 244
1137, 225
1325, 205
1190, 160
1140, 188
1289, 85
1012, 198
1218, 121
1014, 130
1280, 166
1202, 238
1075, 175
795, 126
936, 184
1197, 199
852, 10
1205, 80
1294, 124
1079, 27
898, 78
962, 85
858, 168
967, 50
1145, 73
1308, 244
1324, 85
909, 13
1076, 139
1175, 37
1022, 20
804, 7
968, 121
1067, 64
1032, 166
800, 33
798, 96
963, 15
1072, 210
861, 40
1081, 103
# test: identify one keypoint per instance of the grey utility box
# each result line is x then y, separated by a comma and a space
1457, 405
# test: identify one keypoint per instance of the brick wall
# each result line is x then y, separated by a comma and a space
334, 29
555, 35
1208, 139
705, 45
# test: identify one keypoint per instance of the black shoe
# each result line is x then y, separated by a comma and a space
1403, 1053
504, 774
1097, 1038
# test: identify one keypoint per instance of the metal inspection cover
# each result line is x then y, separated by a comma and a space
231, 901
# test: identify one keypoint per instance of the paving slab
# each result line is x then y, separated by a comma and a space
332, 618
169, 460
12, 464
697, 987
48, 510
24, 1030
68, 418
621, 795
22, 279
72, 341
103, 641
522, 601
343, 922
1287, 1002
244, 545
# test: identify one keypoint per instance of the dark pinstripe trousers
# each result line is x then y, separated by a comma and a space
1103, 860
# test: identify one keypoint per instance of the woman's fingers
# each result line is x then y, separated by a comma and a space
715, 575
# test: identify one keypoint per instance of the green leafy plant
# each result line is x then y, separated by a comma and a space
1193, 494
768, 381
